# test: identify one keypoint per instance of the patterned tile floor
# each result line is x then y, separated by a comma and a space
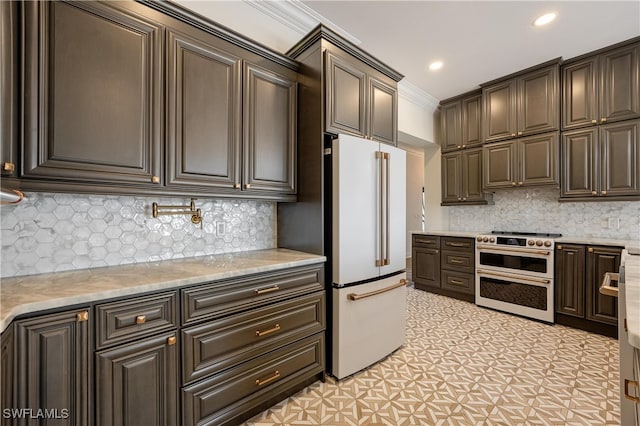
466, 365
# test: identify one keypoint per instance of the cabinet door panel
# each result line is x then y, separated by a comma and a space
580, 94
620, 153
601, 308
270, 103
345, 96
472, 121
137, 384
579, 163
472, 175
53, 367
499, 111
383, 110
425, 268
619, 75
204, 113
538, 101
451, 175
538, 160
94, 102
450, 116
9, 88
499, 161
569, 280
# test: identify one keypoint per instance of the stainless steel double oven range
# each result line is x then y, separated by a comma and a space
514, 273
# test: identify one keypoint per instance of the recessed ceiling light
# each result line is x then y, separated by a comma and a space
544, 19
435, 65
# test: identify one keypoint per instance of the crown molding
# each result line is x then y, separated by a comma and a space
299, 17
412, 93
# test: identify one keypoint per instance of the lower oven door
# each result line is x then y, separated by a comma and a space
530, 297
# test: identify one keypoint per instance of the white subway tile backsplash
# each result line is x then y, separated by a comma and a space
538, 210
57, 232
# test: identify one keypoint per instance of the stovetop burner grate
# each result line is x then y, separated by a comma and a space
527, 234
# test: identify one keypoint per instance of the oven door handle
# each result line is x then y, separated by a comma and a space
518, 277
606, 288
515, 251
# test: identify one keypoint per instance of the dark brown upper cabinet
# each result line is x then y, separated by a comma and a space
9, 89
601, 89
204, 112
461, 122
522, 105
530, 161
93, 94
52, 365
462, 177
601, 163
358, 100
269, 142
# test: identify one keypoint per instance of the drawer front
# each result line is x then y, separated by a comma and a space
462, 283
227, 297
426, 241
125, 320
458, 261
221, 398
216, 345
458, 244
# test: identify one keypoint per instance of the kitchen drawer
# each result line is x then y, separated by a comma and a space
426, 241
221, 398
216, 345
227, 297
462, 283
457, 261
137, 317
458, 244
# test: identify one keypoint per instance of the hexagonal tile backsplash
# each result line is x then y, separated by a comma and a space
58, 232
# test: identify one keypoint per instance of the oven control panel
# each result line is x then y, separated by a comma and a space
508, 240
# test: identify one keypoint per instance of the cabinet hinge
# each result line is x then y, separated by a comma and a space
327, 151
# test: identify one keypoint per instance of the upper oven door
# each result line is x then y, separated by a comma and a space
528, 261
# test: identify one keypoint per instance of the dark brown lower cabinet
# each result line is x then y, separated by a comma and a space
137, 383
52, 369
580, 270
425, 261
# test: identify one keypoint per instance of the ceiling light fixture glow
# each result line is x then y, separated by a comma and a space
544, 19
435, 65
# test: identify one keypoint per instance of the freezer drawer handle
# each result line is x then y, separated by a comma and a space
267, 289
628, 382
354, 296
606, 288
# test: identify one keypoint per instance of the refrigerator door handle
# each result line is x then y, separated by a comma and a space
380, 158
387, 260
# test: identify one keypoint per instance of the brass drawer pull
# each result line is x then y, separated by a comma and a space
267, 289
276, 375
141, 319
456, 282
172, 340
456, 261
82, 316
425, 241
457, 244
269, 331
627, 382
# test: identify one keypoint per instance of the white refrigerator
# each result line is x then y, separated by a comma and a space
368, 252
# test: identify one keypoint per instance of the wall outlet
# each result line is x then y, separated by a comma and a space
614, 223
221, 228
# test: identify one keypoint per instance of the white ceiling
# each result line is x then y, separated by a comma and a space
478, 41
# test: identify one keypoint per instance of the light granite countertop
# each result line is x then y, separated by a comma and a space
32, 293
632, 296
465, 234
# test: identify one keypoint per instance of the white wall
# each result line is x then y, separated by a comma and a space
415, 182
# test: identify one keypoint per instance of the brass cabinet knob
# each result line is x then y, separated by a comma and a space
464, 146
459, 146
520, 183
513, 134
464, 198
8, 167
82, 316
590, 249
247, 185
513, 184
559, 247
519, 133
603, 192
141, 319
594, 121
155, 179
172, 340
603, 120
594, 193
236, 186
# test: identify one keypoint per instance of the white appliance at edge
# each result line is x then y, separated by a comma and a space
369, 252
